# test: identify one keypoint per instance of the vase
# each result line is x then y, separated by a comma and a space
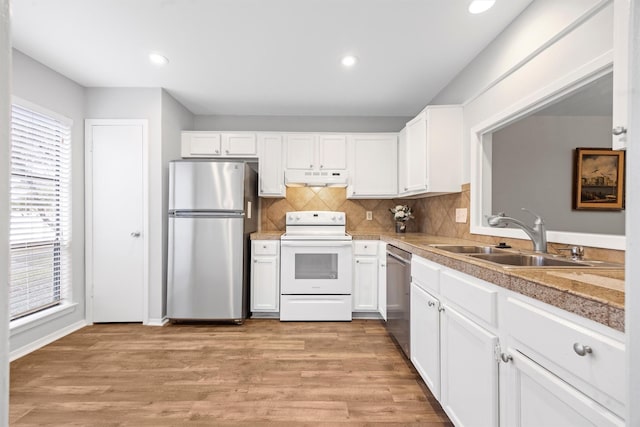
401, 227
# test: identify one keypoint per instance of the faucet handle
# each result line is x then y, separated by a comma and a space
538, 217
577, 252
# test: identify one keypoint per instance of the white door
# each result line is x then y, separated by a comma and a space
365, 289
116, 236
535, 397
469, 372
425, 337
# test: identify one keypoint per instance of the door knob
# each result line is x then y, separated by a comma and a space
135, 234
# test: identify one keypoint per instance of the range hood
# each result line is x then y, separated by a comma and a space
313, 178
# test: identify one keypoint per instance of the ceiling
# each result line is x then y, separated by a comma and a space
264, 57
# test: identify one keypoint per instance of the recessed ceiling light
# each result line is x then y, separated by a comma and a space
479, 6
349, 61
158, 59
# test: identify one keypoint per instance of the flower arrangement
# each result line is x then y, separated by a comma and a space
401, 213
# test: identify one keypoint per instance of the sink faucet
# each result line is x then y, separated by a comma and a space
538, 233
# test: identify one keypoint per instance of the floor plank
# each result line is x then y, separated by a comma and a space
263, 372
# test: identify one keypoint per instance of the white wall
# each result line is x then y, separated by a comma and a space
167, 117
300, 123
519, 61
42, 86
140, 103
533, 168
5, 91
632, 273
175, 118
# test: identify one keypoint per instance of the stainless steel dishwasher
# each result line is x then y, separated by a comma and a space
398, 295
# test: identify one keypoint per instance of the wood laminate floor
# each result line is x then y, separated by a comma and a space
261, 373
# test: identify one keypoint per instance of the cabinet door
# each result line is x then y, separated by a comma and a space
200, 144
373, 160
365, 288
333, 151
301, 151
403, 159
239, 144
469, 371
425, 337
270, 172
621, 37
416, 162
382, 280
535, 397
265, 288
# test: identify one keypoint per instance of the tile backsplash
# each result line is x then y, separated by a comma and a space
433, 215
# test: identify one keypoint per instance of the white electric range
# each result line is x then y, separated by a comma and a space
315, 267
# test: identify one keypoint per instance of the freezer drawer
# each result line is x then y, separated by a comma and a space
205, 269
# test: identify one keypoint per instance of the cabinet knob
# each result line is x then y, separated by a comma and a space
255, 261
619, 130
441, 309
217, 151
311, 166
264, 246
321, 166
406, 188
226, 151
383, 265
582, 350
431, 303
506, 358
358, 261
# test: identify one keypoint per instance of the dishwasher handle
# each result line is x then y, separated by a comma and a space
399, 258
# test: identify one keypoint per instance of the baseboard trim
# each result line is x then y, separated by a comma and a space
48, 339
366, 315
157, 322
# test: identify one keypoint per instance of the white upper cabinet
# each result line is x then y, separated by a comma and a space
332, 151
621, 36
373, 166
218, 144
301, 151
430, 152
316, 151
270, 170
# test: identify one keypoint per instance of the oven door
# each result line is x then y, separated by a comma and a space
315, 267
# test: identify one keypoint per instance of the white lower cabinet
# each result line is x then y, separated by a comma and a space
469, 371
425, 337
536, 398
493, 357
265, 276
365, 276
382, 279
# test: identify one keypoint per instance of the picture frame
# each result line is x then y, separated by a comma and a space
598, 179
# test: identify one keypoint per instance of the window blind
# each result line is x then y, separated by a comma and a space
40, 222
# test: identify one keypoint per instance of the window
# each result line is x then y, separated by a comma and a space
40, 222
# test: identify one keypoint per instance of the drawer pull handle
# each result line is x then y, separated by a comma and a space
582, 350
506, 358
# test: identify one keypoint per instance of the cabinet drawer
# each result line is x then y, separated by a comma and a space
365, 248
472, 295
554, 338
263, 247
425, 274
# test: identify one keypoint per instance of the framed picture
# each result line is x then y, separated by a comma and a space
599, 179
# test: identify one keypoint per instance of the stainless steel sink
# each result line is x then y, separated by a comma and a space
524, 260
461, 249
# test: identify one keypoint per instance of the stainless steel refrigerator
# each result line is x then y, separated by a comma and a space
212, 210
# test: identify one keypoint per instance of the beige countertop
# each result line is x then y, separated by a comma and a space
597, 294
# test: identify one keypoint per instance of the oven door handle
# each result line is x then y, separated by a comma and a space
314, 243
